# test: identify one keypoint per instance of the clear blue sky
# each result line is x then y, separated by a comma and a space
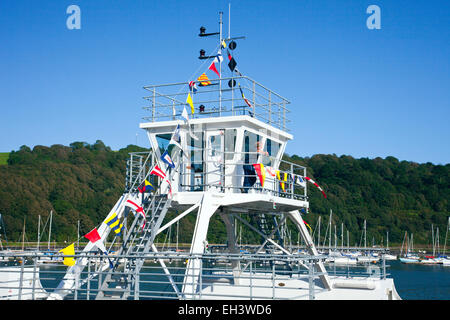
354, 91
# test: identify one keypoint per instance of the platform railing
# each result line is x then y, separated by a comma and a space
235, 96
231, 172
225, 172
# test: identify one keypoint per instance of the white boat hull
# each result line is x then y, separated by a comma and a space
12, 287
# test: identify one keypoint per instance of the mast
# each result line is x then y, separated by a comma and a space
23, 235
335, 238
348, 242
387, 240
329, 242
446, 234
433, 241
437, 240
50, 230
365, 235
2, 228
78, 234
39, 232
318, 235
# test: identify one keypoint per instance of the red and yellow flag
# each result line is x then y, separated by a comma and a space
204, 80
261, 172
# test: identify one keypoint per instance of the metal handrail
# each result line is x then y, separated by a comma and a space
166, 101
229, 177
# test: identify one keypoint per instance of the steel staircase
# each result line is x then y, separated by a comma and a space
122, 281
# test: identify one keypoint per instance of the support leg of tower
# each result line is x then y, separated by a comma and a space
232, 248
193, 267
297, 219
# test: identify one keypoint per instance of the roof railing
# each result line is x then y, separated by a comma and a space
242, 96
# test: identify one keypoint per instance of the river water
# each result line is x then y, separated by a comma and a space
421, 282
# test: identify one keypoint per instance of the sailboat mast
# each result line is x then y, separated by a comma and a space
78, 234
23, 235
432, 239
335, 238
39, 232
329, 242
446, 234
365, 235
348, 242
50, 229
437, 240
318, 235
387, 240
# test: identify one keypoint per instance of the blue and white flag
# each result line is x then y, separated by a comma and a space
218, 57
176, 138
192, 86
167, 159
301, 181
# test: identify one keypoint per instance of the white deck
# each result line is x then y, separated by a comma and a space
260, 287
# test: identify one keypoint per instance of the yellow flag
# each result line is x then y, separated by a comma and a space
189, 101
69, 251
284, 179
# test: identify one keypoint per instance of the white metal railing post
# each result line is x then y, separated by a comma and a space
154, 104
292, 180
99, 284
34, 277
251, 281
174, 113
311, 280
270, 107
254, 103
77, 283
136, 283
201, 279
88, 288
273, 279
22, 262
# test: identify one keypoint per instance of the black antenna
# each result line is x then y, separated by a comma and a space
203, 34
